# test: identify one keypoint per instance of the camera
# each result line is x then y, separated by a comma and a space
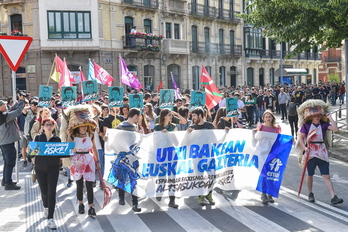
23, 94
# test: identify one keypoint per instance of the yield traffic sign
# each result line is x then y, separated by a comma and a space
13, 48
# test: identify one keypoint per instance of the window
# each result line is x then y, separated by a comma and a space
147, 26
176, 31
271, 75
194, 39
208, 68
221, 41
168, 30
231, 12
149, 73
261, 77
16, 22
233, 76
232, 41
222, 70
195, 77
175, 69
250, 76
69, 25
207, 39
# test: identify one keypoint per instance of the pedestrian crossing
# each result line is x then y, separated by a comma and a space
230, 213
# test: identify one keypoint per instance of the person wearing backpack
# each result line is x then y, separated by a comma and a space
9, 134
293, 117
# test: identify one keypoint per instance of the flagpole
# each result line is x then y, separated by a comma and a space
49, 77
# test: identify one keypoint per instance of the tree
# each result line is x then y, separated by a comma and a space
302, 23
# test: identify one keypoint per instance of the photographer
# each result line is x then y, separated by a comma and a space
8, 136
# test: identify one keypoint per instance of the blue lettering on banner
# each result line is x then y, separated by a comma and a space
176, 160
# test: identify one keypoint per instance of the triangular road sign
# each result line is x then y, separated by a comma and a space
13, 48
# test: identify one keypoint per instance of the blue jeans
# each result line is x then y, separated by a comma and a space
342, 98
333, 99
9, 155
260, 112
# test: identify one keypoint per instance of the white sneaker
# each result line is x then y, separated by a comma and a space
46, 212
51, 224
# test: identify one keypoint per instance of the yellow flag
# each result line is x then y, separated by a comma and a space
55, 75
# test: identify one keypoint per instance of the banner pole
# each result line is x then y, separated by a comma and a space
49, 77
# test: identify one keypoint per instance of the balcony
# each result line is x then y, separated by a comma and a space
144, 44
202, 10
275, 54
145, 4
172, 6
216, 49
175, 46
333, 59
227, 15
8, 2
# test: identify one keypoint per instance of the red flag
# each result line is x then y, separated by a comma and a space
160, 86
65, 78
213, 95
83, 78
102, 75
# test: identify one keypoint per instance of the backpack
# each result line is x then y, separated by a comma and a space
292, 109
31, 123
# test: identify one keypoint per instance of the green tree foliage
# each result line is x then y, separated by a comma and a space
334, 77
302, 23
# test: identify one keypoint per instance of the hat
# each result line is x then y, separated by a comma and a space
58, 104
2, 102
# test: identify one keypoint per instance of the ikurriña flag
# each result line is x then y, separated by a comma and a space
127, 77
213, 95
95, 72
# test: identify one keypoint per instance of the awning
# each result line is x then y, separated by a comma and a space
289, 72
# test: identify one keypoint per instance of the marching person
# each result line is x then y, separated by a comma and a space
268, 125
47, 171
311, 140
200, 124
165, 124
130, 125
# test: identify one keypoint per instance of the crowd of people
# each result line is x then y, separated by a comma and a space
256, 109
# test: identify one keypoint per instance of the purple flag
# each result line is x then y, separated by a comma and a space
176, 90
127, 78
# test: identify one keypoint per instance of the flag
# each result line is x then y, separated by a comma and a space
66, 78
176, 90
213, 95
91, 75
126, 77
160, 86
95, 72
57, 69
141, 86
83, 78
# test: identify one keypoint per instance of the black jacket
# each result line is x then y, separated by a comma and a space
45, 163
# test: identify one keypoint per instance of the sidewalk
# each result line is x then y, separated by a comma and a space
22, 210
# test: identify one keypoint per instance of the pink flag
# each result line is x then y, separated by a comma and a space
127, 78
102, 75
66, 78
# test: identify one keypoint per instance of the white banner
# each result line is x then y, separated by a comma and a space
190, 164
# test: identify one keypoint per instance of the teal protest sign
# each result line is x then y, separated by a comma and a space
50, 148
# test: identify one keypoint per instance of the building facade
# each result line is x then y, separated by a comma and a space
196, 33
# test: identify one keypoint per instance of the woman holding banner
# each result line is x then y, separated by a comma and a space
165, 124
47, 170
268, 125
